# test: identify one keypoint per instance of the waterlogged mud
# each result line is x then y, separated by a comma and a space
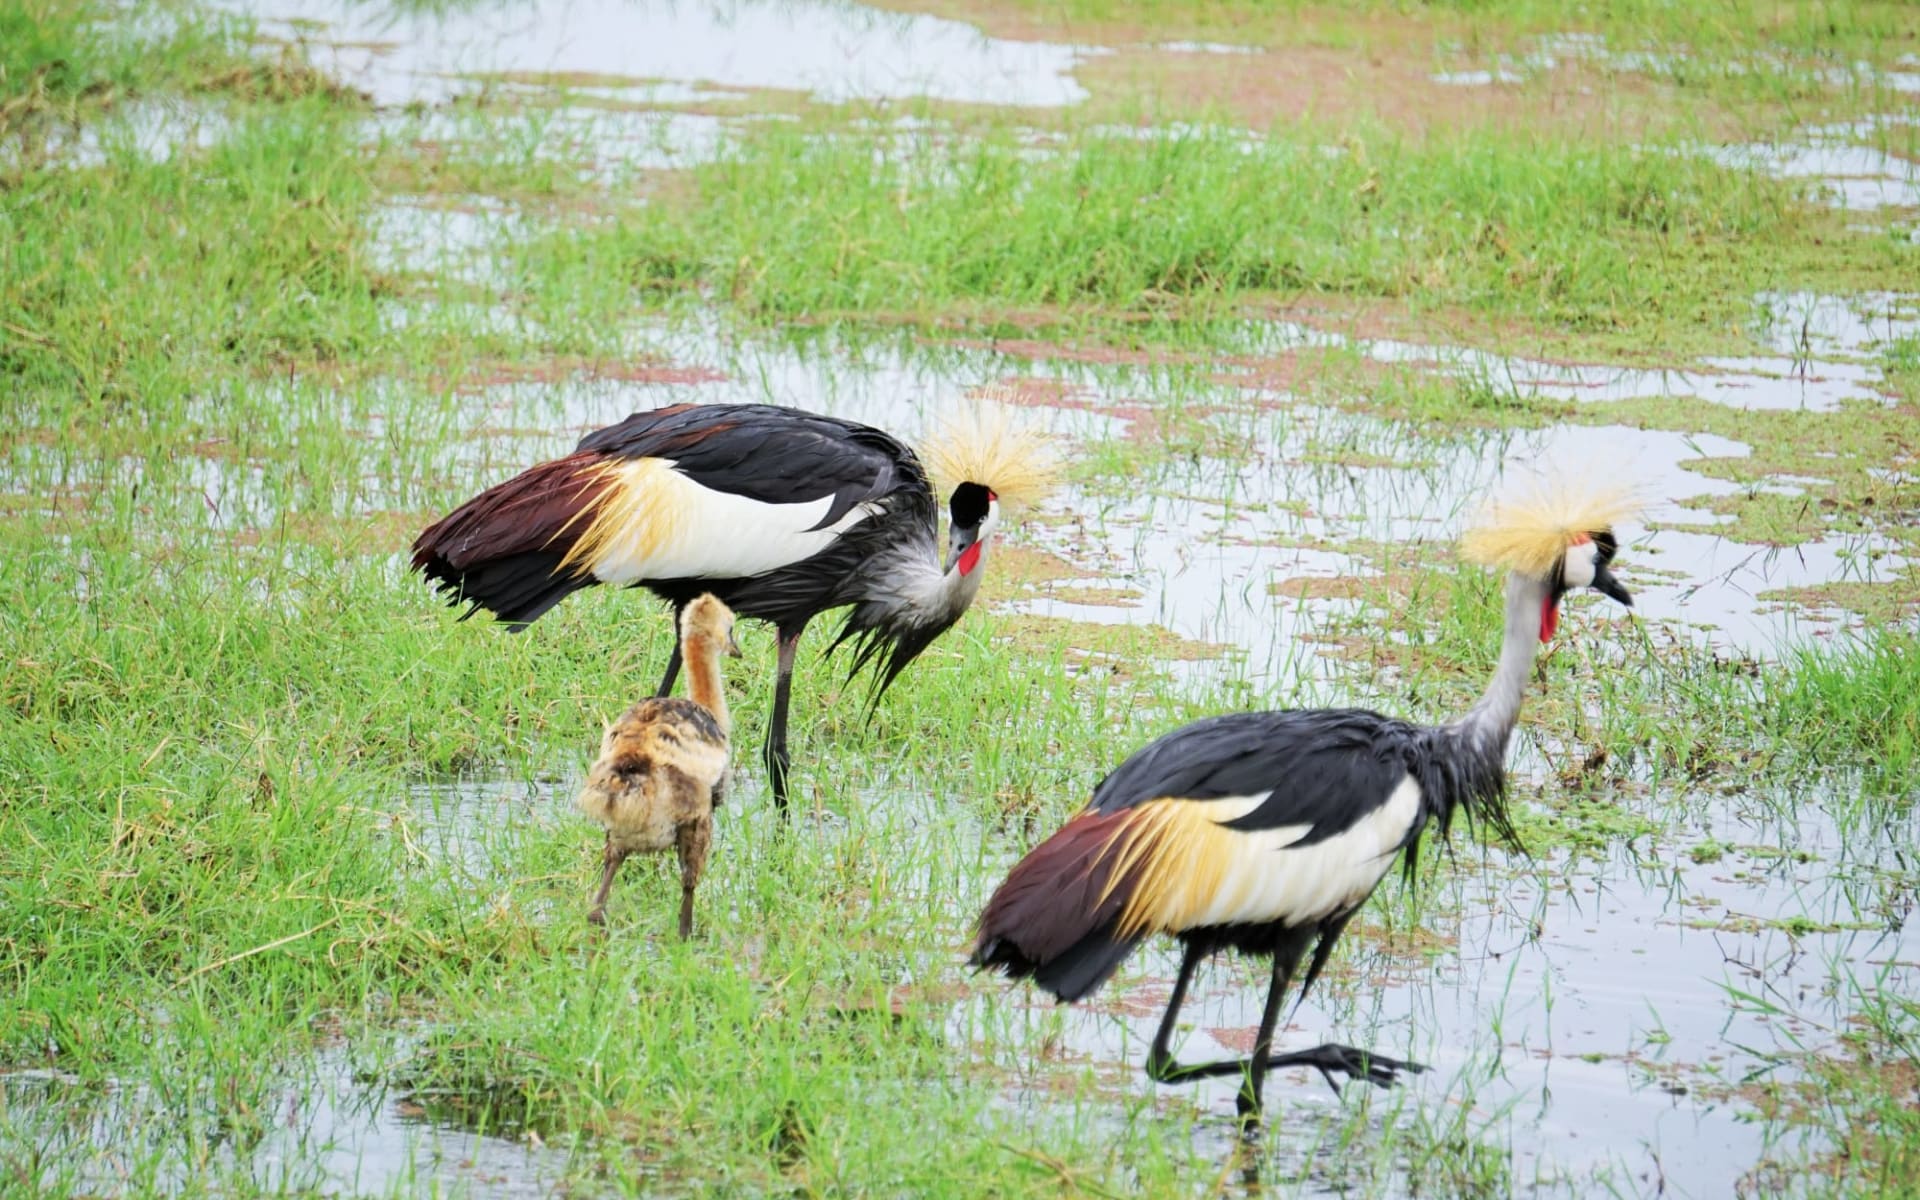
1616, 1016
653, 53
150, 130
328, 1126
1609, 1016
1233, 492
1596, 1023
1823, 359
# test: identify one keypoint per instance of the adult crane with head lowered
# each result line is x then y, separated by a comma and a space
1266, 832
781, 514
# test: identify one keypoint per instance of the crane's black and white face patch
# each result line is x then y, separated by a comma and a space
1583, 565
975, 510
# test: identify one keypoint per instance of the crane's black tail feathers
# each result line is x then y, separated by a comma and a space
1073, 974
503, 549
517, 589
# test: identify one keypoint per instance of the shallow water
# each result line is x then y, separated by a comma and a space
476, 830
1204, 537
649, 52
1808, 324
1606, 1021
1851, 176
1590, 1019
330, 1129
152, 130
1793, 380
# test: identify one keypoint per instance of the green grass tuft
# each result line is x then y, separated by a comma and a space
1855, 702
1183, 225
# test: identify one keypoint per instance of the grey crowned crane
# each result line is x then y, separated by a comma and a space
1266, 832
780, 514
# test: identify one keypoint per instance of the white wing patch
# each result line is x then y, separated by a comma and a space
1271, 878
672, 527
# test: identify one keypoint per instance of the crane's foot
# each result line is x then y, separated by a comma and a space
1377, 1069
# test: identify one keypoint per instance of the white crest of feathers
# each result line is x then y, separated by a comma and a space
982, 442
1529, 533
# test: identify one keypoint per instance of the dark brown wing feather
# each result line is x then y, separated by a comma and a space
502, 549
1053, 919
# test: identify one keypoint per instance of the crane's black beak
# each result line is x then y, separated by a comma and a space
1607, 585
733, 646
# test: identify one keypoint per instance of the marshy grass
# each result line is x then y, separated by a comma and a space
1174, 227
228, 714
1859, 698
1857, 30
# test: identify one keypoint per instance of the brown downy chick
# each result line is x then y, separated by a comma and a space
663, 765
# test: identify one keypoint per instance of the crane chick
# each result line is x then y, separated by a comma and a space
663, 765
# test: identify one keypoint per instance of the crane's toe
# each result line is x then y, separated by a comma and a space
1377, 1069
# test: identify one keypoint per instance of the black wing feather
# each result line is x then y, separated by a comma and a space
1325, 768
763, 452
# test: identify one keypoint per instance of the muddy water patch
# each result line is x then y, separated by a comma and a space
444, 238
1620, 1020
1270, 489
1794, 380
1808, 325
604, 147
479, 830
834, 51
1849, 176
148, 130
1208, 539
1737, 593
326, 1127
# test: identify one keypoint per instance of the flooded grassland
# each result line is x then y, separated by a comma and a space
292, 895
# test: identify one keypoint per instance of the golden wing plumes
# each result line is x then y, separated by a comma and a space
1529, 534
981, 442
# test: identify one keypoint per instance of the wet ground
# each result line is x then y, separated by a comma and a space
665, 53
1608, 1018
1618, 1023
332, 1127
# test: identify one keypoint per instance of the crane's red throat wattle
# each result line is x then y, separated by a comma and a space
1549, 617
970, 558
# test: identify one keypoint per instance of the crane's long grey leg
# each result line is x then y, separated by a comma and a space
1359, 1064
673, 660
776, 752
1160, 1060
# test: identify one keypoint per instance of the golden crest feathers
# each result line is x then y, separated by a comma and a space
1529, 534
982, 443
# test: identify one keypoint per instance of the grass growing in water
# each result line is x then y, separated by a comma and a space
1859, 698
222, 688
1178, 226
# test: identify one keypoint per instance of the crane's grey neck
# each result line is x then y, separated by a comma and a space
949, 594
912, 590
1492, 717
